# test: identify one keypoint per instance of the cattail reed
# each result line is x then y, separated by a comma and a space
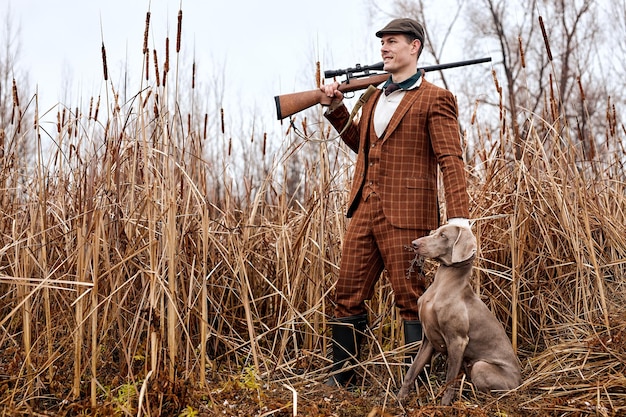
545, 38
206, 121
521, 51
145, 34
473, 119
580, 87
166, 64
147, 66
614, 124
95, 115
318, 76
264, 142
76, 123
193, 75
156, 69
104, 63
16, 98
16, 104
179, 30
145, 101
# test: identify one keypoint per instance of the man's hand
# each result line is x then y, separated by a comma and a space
332, 92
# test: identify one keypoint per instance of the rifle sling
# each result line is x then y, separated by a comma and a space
362, 100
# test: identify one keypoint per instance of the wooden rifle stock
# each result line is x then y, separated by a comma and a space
289, 104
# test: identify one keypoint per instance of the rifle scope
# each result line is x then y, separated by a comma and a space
365, 69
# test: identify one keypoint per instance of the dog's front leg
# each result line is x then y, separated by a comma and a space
456, 350
421, 359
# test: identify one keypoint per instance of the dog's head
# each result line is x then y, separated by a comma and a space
450, 244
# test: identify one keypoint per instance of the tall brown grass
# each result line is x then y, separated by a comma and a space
131, 272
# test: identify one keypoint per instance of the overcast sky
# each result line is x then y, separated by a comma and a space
262, 47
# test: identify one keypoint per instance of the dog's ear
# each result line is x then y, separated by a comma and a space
465, 245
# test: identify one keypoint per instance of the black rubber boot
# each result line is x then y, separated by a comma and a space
347, 337
412, 334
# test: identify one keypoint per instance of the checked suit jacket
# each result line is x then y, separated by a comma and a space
422, 134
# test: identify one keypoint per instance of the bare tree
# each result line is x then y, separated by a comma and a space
15, 102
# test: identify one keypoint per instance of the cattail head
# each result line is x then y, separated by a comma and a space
145, 101
16, 98
104, 63
95, 114
521, 51
147, 66
264, 142
222, 119
179, 30
193, 75
156, 68
206, 120
166, 64
318, 77
545, 38
580, 87
145, 34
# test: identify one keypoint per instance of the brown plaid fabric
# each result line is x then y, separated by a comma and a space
372, 244
422, 134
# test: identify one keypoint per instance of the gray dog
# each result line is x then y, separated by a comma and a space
456, 321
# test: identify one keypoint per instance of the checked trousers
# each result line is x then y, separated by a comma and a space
371, 245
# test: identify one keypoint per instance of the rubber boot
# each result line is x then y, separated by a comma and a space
413, 333
347, 337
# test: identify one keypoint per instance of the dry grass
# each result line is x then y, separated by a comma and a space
135, 280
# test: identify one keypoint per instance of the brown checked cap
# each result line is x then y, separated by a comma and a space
403, 25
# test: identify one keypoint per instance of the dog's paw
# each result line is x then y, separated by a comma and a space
448, 396
403, 394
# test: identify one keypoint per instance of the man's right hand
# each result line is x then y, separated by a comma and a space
333, 93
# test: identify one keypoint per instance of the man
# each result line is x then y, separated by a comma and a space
400, 139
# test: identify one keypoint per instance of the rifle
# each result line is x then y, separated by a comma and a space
357, 78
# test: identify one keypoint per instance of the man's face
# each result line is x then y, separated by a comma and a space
398, 53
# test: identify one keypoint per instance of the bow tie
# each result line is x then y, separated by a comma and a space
391, 88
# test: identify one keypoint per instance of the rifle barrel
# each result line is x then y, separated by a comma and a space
440, 67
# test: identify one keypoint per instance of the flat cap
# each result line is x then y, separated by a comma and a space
403, 25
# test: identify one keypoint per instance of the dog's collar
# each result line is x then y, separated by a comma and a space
461, 264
